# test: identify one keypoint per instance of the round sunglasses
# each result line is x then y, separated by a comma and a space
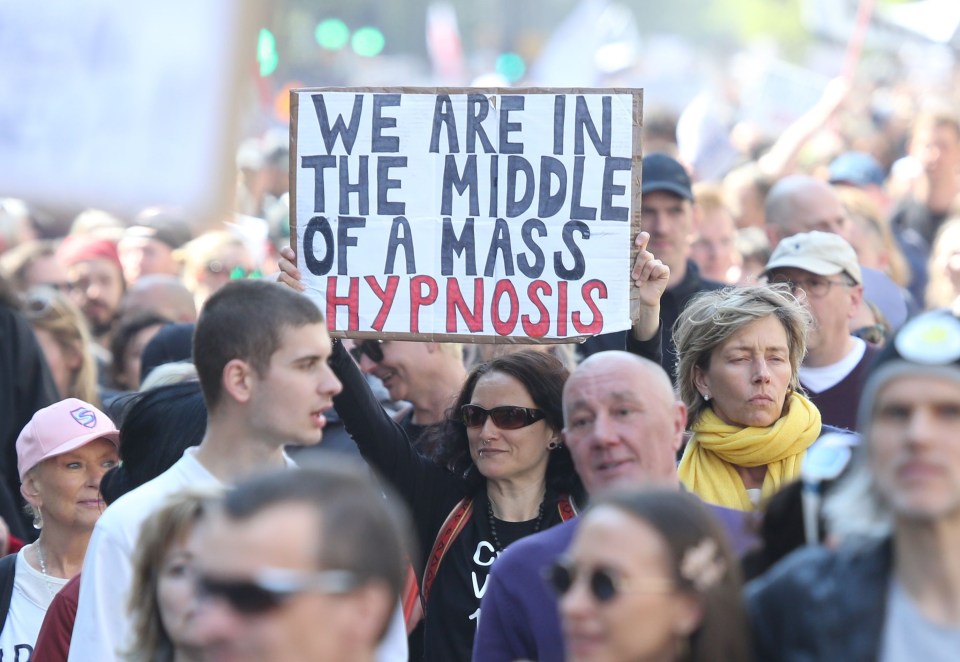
505, 418
604, 583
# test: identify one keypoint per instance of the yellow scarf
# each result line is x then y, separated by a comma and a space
707, 465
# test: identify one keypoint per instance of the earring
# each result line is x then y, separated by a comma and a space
706, 397
38, 520
553, 445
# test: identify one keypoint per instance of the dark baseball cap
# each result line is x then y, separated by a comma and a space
664, 173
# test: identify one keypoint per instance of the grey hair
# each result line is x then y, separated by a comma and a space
712, 317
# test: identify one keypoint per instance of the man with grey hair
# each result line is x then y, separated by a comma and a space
822, 269
893, 591
623, 424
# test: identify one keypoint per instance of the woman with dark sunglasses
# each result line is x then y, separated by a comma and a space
650, 576
502, 473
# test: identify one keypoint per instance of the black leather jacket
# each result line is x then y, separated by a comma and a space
820, 604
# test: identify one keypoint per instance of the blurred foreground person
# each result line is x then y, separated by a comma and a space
164, 597
62, 454
891, 591
304, 565
650, 576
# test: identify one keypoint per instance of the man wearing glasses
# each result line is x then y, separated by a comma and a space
822, 270
305, 565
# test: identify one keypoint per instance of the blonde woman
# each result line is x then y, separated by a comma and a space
64, 337
211, 260
740, 351
163, 601
943, 285
62, 454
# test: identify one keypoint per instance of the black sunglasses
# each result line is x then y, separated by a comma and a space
605, 584
372, 349
505, 418
271, 587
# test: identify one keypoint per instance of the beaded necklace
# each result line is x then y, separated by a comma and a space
493, 526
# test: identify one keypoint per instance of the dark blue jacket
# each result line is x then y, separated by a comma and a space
820, 604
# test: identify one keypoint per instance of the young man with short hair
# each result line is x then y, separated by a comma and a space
261, 353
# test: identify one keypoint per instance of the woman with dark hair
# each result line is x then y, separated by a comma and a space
650, 576
501, 473
157, 427
127, 345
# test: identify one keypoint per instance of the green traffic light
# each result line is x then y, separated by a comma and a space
267, 52
511, 66
332, 34
368, 42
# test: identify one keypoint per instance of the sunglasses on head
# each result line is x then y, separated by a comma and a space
372, 349
605, 584
271, 587
505, 418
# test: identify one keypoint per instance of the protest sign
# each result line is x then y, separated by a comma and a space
466, 214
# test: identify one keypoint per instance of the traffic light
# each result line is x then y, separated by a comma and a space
267, 52
367, 41
332, 34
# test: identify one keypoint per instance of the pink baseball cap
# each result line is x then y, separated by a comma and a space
61, 428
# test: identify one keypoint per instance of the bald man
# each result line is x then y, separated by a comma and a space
800, 203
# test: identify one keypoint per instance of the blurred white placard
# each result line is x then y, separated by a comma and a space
119, 105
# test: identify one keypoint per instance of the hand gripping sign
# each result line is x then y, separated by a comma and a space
467, 215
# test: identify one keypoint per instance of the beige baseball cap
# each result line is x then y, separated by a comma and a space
821, 253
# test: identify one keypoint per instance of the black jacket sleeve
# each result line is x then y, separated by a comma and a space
25, 387
429, 490
649, 349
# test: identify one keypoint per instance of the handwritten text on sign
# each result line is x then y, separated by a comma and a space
466, 214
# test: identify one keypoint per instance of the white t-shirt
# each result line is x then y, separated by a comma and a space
32, 593
909, 636
103, 622
820, 379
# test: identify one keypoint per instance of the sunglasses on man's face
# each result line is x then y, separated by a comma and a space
271, 587
605, 584
505, 418
372, 349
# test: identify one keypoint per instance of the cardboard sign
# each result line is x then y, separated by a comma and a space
470, 215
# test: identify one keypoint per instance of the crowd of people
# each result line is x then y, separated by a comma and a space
764, 466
